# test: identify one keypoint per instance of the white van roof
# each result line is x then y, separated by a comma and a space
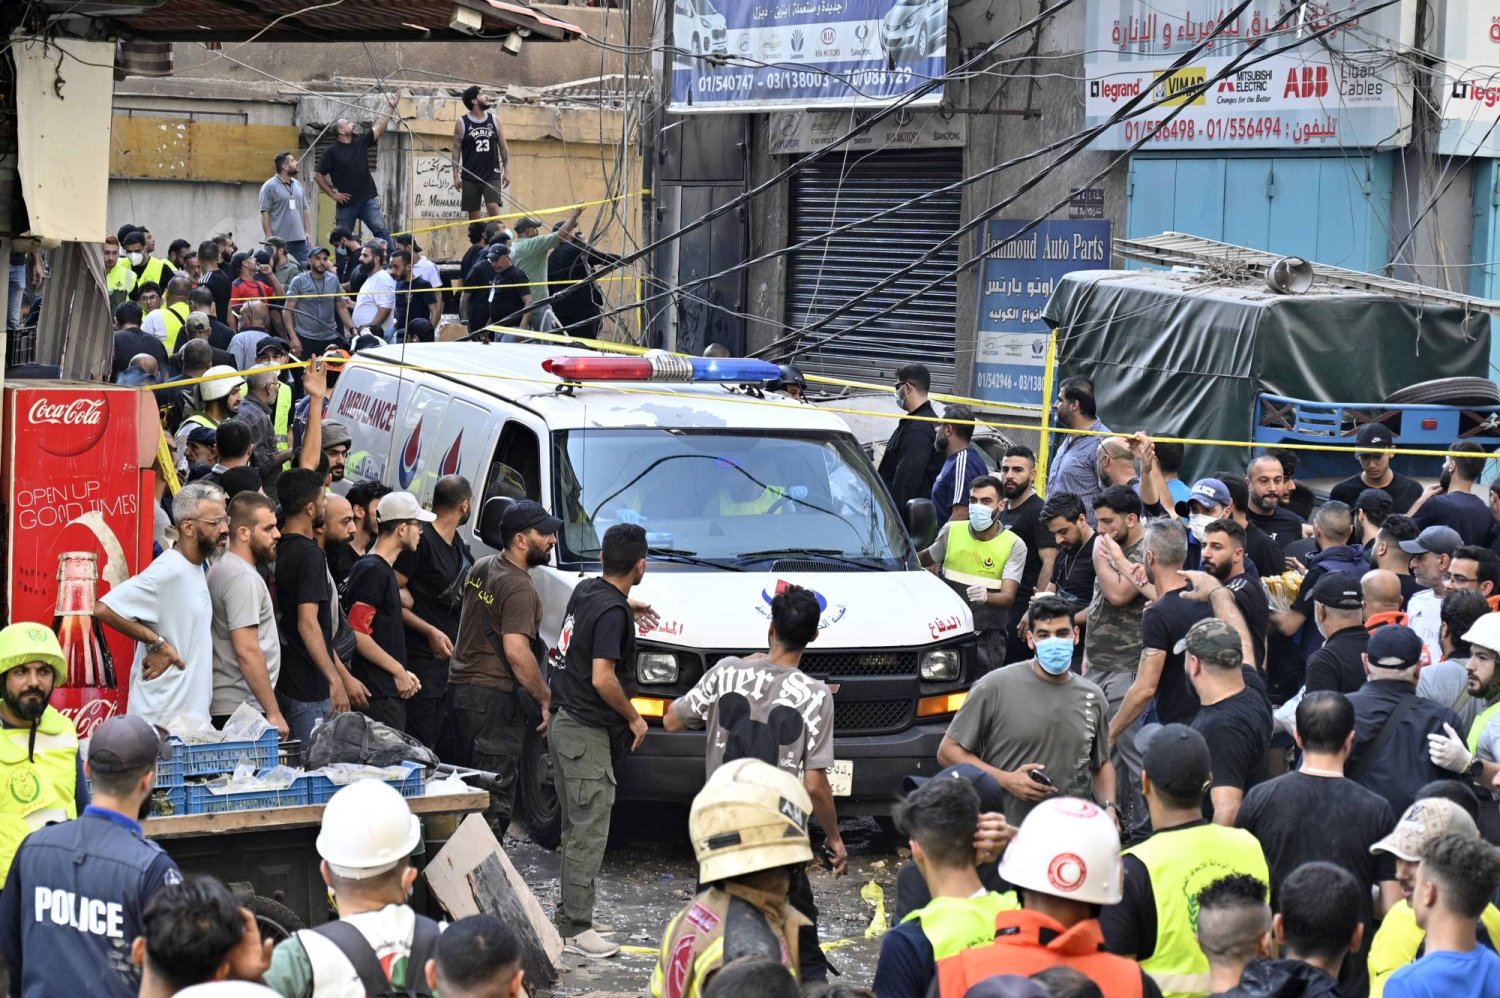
513, 371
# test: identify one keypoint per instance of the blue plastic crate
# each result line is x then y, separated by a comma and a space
169, 771
224, 757
201, 801
176, 800
320, 789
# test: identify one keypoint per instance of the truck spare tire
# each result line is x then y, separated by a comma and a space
1448, 391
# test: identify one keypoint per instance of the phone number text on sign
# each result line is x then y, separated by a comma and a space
1231, 129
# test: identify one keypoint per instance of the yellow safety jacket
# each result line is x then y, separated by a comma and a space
1480, 723
729, 506
969, 561
172, 321
953, 925
281, 423
1182, 862
37, 789
1399, 938
120, 281
694, 948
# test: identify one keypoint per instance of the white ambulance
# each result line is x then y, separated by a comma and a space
690, 462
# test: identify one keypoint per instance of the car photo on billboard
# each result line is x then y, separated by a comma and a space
913, 29
699, 28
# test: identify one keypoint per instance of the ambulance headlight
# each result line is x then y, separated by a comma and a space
656, 667
940, 665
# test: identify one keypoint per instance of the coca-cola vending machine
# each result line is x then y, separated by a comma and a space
77, 479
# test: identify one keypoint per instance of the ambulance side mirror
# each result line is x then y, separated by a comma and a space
921, 520
490, 516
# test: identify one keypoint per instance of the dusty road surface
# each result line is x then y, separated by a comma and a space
649, 874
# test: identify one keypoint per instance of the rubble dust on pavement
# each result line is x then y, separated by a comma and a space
650, 874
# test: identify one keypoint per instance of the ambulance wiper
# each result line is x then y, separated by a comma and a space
825, 554
687, 558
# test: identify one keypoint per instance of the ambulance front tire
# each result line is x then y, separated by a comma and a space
536, 797
275, 920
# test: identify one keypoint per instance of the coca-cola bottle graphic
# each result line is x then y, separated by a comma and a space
84, 646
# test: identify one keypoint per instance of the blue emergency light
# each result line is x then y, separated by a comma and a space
658, 365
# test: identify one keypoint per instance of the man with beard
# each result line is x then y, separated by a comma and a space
73, 898
166, 610
1223, 557
962, 463
363, 497
481, 159
32, 665
1266, 481
1431, 556
373, 595
1074, 465
495, 685
1477, 756
247, 650
315, 312
433, 575
343, 174
336, 442
283, 207
1021, 515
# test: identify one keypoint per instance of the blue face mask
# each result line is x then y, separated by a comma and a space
981, 517
1055, 655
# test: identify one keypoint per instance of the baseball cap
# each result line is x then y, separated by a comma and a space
261, 256
240, 479
1424, 821
529, 222
528, 515
317, 251
1376, 501
1214, 641
1434, 540
197, 322
401, 506
1393, 647
1206, 492
205, 436
267, 342
992, 796
1176, 756
1339, 591
276, 241
1374, 436
335, 434
121, 744
497, 250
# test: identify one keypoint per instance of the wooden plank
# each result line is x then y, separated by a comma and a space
294, 817
153, 148
471, 875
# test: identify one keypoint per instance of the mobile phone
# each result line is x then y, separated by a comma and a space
825, 856
1041, 777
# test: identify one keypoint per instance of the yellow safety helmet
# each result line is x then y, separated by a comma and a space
749, 817
31, 642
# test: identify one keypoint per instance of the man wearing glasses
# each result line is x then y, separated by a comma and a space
166, 610
1374, 445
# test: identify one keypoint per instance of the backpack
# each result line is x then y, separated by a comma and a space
354, 737
358, 951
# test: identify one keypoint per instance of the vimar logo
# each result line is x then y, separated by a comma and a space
829, 614
1176, 88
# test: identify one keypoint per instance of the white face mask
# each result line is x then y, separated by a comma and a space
1197, 523
136, 259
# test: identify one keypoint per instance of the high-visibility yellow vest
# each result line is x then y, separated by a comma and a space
1181, 864
282, 423
969, 561
38, 789
953, 925
1480, 723
172, 321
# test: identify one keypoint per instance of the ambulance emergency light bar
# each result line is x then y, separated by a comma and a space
658, 365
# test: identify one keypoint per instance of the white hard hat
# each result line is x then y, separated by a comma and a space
1485, 633
219, 387
749, 816
367, 829
1067, 847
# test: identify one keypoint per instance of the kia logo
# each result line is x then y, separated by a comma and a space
828, 36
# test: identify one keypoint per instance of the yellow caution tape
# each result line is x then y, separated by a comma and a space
538, 213
167, 463
1044, 451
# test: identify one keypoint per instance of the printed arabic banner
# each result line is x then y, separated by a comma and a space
1470, 78
1343, 89
758, 55
1015, 283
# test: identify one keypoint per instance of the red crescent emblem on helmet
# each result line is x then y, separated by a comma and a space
1067, 871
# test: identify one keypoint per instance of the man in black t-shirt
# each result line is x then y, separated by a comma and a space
1374, 444
310, 687
592, 721
1064, 517
343, 174
1224, 558
1316, 814
1020, 514
1452, 502
1234, 719
415, 298
373, 595
130, 340
1266, 481
1338, 613
434, 573
1263, 557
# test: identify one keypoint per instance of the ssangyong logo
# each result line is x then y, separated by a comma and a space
80, 423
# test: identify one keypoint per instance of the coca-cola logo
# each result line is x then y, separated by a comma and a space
68, 427
88, 716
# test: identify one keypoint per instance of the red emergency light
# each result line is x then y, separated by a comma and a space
661, 366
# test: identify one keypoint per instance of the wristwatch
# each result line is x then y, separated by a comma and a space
156, 645
1476, 768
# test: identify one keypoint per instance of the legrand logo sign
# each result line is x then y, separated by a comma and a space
1176, 89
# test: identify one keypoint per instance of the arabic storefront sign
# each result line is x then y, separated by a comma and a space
1343, 89
793, 133
1017, 279
434, 199
1470, 78
757, 55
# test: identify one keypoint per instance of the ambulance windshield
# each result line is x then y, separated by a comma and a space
719, 498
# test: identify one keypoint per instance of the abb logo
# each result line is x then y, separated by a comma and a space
79, 412
1309, 81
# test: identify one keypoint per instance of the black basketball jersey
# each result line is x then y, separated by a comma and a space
481, 153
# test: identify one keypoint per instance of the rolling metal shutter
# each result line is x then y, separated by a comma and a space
824, 276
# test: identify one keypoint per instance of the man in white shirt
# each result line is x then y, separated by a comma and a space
1431, 554
167, 611
247, 648
376, 303
420, 265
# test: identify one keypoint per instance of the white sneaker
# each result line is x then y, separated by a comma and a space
590, 944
